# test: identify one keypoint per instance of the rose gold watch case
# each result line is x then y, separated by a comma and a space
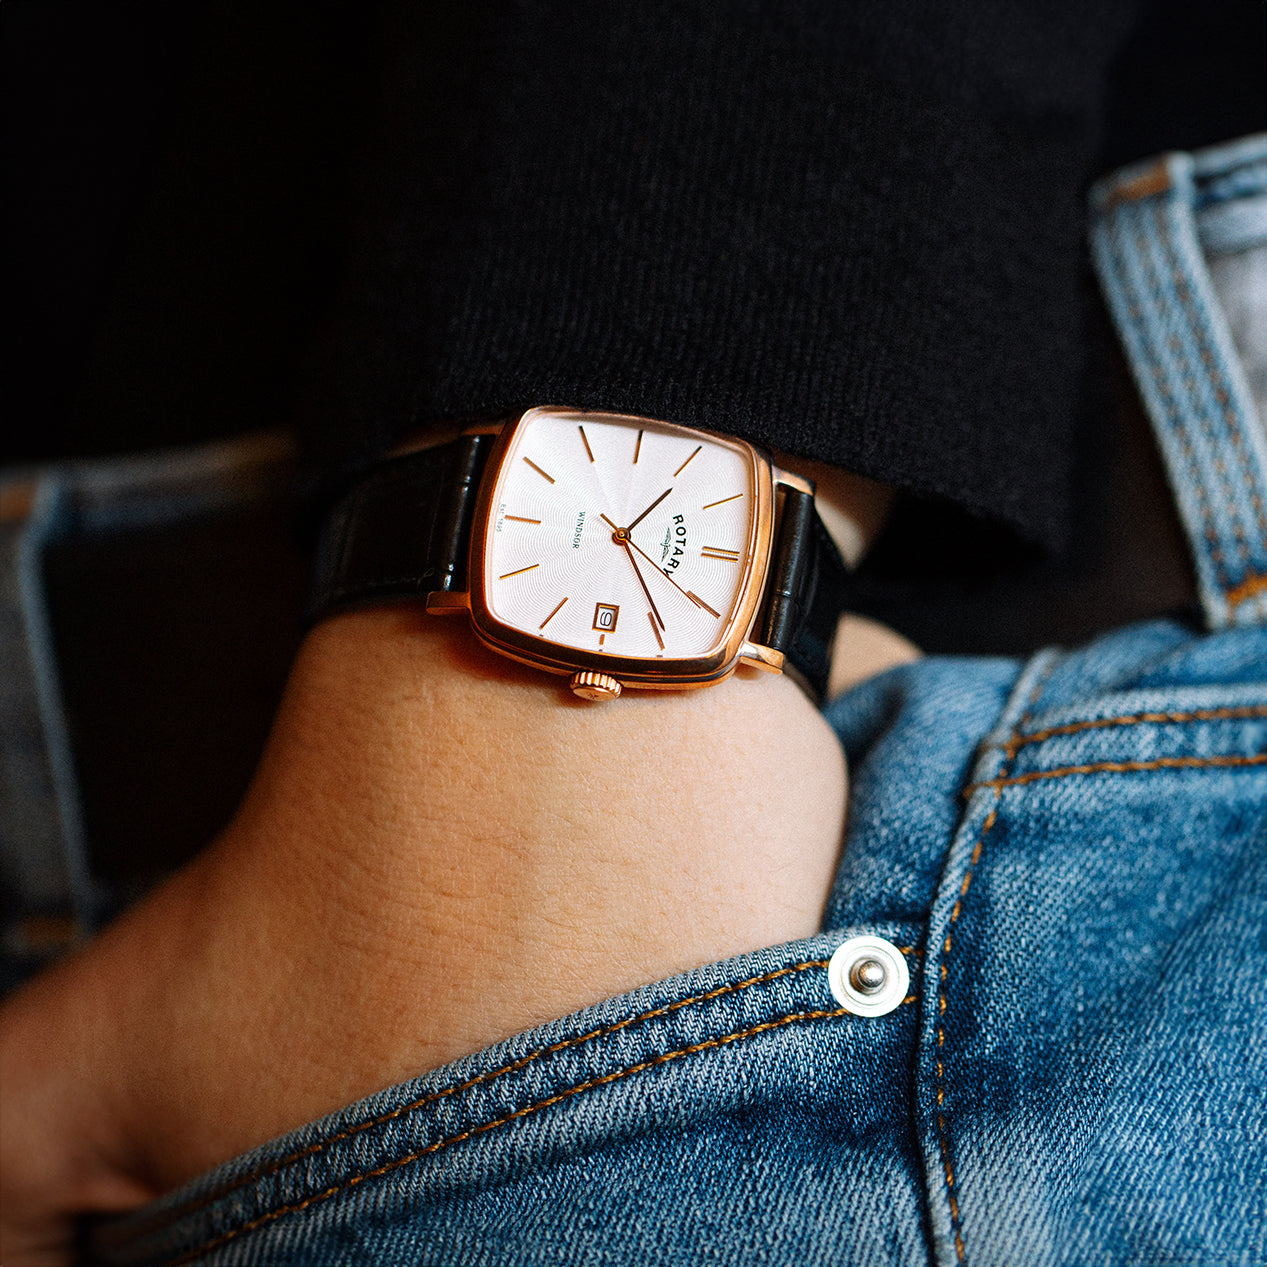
672, 674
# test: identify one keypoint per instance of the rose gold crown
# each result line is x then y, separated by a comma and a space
594, 686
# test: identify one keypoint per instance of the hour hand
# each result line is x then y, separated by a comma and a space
648, 510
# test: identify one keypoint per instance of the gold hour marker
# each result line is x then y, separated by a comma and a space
552, 615
601, 639
699, 602
716, 552
637, 448
538, 470
723, 501
519, 519
683, 467
508, 575
586, 443
655, 630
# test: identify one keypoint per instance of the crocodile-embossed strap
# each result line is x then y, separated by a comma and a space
402, 530
805, 591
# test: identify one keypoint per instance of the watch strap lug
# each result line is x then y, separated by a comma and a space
755, 656
791, 480
448, 603
805, 589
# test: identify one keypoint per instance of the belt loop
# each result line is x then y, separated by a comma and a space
1157, 286
43, 855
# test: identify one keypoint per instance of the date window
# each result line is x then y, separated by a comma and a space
605, 617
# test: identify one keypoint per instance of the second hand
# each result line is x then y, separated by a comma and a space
622, 540
625, 539
667, 577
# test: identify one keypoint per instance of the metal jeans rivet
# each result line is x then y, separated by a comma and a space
868, 976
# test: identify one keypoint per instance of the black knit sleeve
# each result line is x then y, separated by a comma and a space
848, 231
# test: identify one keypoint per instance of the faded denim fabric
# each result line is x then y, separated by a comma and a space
1086, 1082
1155, 225
51, 895
1071, 854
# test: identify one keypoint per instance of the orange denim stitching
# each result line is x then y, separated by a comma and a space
1155, 179
1031, 705
1252, 585
513, 1066
397, 1163
1134, 719
1122, 767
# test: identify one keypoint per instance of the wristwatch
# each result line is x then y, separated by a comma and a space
620, 551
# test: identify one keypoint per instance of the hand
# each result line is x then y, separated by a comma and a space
622, 537
655, 611
337, 938
61, 1151
222, 1010
667, 577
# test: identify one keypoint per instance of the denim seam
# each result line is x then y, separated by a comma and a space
1012, 746
943, 1140
942, 1132
514, 1066
615, 1076
1223, 396
1176, 417
1240, 712
1191, 375
1122, 767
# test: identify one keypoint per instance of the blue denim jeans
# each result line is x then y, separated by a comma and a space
113, 519
1070, 856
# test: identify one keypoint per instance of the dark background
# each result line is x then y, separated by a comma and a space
179, 187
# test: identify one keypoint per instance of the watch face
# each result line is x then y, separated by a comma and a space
619, 537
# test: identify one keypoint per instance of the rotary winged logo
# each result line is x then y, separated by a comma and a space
673, 547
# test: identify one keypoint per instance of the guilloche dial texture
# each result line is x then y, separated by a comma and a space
554, 568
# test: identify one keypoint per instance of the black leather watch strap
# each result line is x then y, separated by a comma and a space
403, 530
806, 590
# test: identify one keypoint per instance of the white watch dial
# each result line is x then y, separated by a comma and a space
619, 539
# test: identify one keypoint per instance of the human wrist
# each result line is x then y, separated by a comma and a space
399, 729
